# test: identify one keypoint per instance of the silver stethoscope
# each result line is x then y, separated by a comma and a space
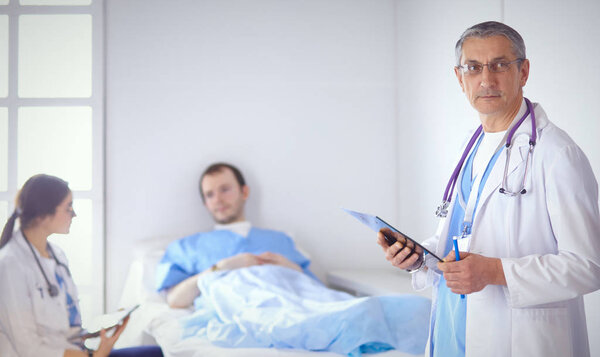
442, 210
52, 289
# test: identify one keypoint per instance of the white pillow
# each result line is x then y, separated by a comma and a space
140, 289
140, 283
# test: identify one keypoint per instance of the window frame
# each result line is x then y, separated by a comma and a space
96, 101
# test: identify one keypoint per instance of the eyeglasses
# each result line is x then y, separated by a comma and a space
494, 67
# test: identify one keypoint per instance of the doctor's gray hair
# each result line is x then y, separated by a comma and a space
39, 197
489, 29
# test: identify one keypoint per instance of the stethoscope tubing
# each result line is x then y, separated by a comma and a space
449, 191
52, 289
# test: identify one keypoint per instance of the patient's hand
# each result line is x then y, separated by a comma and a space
278, 259
241, 260
183, 294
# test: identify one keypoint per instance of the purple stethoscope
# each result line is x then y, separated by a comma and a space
442, 210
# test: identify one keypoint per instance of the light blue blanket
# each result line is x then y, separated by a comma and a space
273, 306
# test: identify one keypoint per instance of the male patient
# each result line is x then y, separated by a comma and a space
233, 244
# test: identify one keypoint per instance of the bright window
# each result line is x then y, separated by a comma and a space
55, 2
3, 149
3, 212
52, 121
55, 56
56, 141
3, 56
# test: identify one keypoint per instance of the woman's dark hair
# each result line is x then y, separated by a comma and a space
39, 197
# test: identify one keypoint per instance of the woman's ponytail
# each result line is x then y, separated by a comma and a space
8, 228
39, 197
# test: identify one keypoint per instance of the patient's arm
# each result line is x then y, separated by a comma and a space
183, 294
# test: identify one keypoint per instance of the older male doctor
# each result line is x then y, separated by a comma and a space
522, 210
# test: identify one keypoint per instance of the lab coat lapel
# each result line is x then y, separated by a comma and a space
518, 156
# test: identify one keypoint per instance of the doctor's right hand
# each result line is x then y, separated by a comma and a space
398, 254
107, 342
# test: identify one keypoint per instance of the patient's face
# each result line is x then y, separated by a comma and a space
223, 197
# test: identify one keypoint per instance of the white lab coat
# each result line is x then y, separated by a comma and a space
549, 242
31, 322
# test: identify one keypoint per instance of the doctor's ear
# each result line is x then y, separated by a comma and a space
459, 76
524, 72
245, 192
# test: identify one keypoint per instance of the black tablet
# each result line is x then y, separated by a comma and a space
377, 224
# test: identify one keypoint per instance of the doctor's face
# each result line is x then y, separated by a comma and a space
224, 197
492, 94
60, 221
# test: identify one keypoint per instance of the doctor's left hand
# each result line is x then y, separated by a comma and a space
472, 273
107, 342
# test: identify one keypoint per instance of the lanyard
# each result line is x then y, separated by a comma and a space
442, 210
476, 188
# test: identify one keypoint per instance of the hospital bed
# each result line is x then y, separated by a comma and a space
155, 323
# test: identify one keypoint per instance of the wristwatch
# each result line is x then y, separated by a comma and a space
414, 270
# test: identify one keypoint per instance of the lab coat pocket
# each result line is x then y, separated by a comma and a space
45, 308
543, 331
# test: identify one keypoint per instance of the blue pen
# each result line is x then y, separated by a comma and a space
455, 241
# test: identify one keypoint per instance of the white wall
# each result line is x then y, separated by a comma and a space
322, 104
300, 97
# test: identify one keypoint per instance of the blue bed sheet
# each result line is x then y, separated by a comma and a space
273, 306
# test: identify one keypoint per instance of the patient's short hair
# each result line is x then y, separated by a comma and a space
219, 167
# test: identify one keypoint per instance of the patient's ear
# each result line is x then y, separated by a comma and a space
245, 192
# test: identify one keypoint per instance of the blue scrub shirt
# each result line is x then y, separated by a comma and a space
448, 338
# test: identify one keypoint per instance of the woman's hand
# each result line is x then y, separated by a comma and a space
107, 343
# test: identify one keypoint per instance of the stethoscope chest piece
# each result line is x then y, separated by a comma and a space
52, 290
442, 210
